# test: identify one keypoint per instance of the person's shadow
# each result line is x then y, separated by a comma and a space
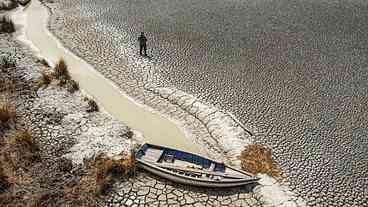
149, 57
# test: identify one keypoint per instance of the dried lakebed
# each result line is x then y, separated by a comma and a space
156, 128
295, 73
91, 140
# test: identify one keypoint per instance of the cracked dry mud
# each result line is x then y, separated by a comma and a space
62, 128
146, 190
296, 73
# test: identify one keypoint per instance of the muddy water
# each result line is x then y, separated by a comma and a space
155, 128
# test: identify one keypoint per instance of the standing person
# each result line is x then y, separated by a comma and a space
142, 44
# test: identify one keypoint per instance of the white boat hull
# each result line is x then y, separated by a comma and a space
187, 180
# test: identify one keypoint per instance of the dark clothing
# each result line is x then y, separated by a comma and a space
142, 44
144, 48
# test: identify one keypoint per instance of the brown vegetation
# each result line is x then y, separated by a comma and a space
72, 86
92, 106
23, 2
45, 79
18, 154
7, 86
7, 111
102, 172
22, 149
61, 70
256, 158
60, 73
43, 62
8, 5
130, 134
6, 25
4, 184
6, 61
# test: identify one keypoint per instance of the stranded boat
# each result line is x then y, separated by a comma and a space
188, 168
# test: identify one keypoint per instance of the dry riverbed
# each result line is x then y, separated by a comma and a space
68, 138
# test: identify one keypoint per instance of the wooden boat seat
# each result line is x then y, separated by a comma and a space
212, 167
196, 171
152, 155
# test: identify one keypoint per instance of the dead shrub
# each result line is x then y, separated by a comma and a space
61, 70
7, 86
8, 5
65, 165
43, 62
7, 111
92, 106
18, 152
47, 198
23, 149
256, 158
6, 25
23, 2
44, 80
130, 134
4, 184
6, 61
72, 86
102, 172
25, 139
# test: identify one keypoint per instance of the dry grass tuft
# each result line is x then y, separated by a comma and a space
61, 70
23, 149
7, 111
6, 25
102, 172
7, 86
6, 61
92, 106
43, 62
8, 5
18, 152
4, 183
45, 79
24, 138
130, 134
17, 155
256, 158
73, 86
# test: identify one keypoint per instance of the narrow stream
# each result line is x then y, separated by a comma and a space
155, 128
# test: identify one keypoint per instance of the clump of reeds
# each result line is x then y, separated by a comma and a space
256, 158
7, 111
60, 73
45, 79
4, 183
25, 147
6, 61
129, 134
72, 86
18, 153
102, 172
23, 2
61, 70
8, 5
6, 25
7, 86
43, 62
92, 105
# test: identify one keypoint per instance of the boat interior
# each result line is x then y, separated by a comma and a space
188, 164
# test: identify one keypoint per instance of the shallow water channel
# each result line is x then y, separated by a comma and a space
155, 128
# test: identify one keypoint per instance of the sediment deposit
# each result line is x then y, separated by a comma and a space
294, 72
